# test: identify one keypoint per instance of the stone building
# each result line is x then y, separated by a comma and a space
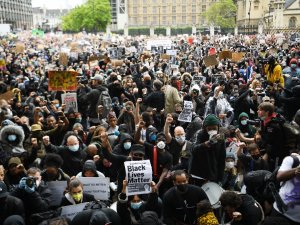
17, 13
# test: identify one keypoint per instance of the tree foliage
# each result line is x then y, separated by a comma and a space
222, 14
94, 15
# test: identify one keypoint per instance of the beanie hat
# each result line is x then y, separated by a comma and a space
89, 165
211, 120
243, 114
230, 155
14, 160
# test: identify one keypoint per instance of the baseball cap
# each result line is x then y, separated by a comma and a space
266, 99
3, 190
97, 77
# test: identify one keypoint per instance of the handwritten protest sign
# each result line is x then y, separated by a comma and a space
225, 55
71, 211
166, 43
199, 80
62, 81
63, 59
233, 148
186, 114
70, 101
99, 187
138, 176
57, 189
210, 60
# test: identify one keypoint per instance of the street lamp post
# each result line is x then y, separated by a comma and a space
249, 13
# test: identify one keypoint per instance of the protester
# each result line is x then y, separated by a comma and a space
130, 104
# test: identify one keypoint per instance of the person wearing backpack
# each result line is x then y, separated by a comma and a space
272, 134
289, 176
93, 98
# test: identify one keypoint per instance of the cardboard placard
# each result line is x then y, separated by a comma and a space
62, 81
237, 56
225, 55
20, 48
187, 113
165, 56
116, 63
138, 176
210, 60
63, 59
7, 95
97, 186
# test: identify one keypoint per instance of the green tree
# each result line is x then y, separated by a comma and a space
222, 14
94, 15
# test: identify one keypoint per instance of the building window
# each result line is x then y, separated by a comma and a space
154, 20
194, 8
145, 19
203, 8
164, 20
292, 22
183, 2
194, 19
154, 9
174, 2
173, 9
183, 19
134, 10
145, 10
145, 2
164, 9
174, 20
183, 9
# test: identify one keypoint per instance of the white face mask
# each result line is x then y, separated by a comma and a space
161, 145
229, 165
212, 133
74, 148
180, 139
244, 122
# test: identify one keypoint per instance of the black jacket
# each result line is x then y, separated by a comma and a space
182, 207
73, 161
128, 216
11, 206
92, 98
208, 162
86, 198
156, 100
36, 202
94, 217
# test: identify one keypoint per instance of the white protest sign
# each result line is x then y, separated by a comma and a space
165, 43
233, 148
171, 52
138, 176
57, 189
187, 113
97, 186
71, 211
70, 101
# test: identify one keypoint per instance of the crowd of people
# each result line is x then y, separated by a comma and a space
135, 104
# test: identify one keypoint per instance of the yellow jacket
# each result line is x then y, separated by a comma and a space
275, 76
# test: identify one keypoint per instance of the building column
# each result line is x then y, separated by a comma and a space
168, 31
151, 31
194, 29
126, 30
236, 30
212, 30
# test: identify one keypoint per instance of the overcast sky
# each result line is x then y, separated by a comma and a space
56, 4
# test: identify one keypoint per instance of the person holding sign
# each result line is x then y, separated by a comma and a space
131, 208
75, 194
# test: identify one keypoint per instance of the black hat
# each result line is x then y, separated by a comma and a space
137, 148
3, 190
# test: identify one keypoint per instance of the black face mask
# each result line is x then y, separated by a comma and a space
182, 188
255, 157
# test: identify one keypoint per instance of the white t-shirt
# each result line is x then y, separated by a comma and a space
112, 138
290, 192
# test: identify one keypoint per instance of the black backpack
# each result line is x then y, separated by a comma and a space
104, 100
263, 184
291, 133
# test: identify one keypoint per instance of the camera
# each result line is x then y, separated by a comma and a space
255, 122
30, 181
